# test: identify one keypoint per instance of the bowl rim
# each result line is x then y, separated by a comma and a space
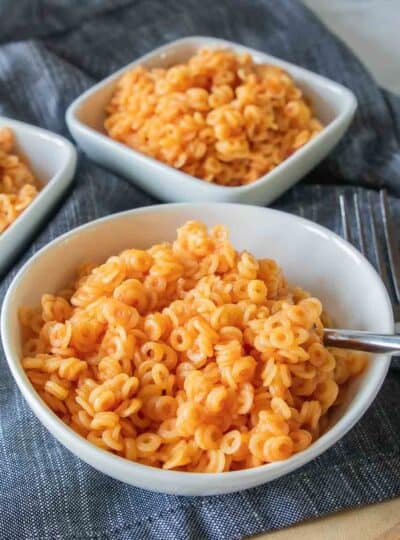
347, 111
69, 438
68, 164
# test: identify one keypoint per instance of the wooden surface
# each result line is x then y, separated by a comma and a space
374, 522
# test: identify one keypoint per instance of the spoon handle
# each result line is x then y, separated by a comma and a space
362, 341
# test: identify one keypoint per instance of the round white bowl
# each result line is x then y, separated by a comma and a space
310, 255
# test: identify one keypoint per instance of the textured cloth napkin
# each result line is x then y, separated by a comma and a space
49, 53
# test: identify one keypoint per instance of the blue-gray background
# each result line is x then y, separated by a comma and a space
50, 51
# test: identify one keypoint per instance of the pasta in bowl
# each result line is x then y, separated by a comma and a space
205, 119
36, 166
219, 116
18, 185
170, 357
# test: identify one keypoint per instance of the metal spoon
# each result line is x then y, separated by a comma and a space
362, 341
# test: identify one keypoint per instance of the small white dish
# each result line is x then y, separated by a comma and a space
53, 161
334, 105
339, 275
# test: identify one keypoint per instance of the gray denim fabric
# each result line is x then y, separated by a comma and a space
49, 53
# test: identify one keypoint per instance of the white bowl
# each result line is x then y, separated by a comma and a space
334, 105
53, 160
310, 255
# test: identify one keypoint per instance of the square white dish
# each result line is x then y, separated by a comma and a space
334, 105
53, 161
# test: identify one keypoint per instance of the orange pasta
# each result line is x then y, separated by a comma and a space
220, 116
206, 360
18, 186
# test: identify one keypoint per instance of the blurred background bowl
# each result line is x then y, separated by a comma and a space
52, 160
333, 104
